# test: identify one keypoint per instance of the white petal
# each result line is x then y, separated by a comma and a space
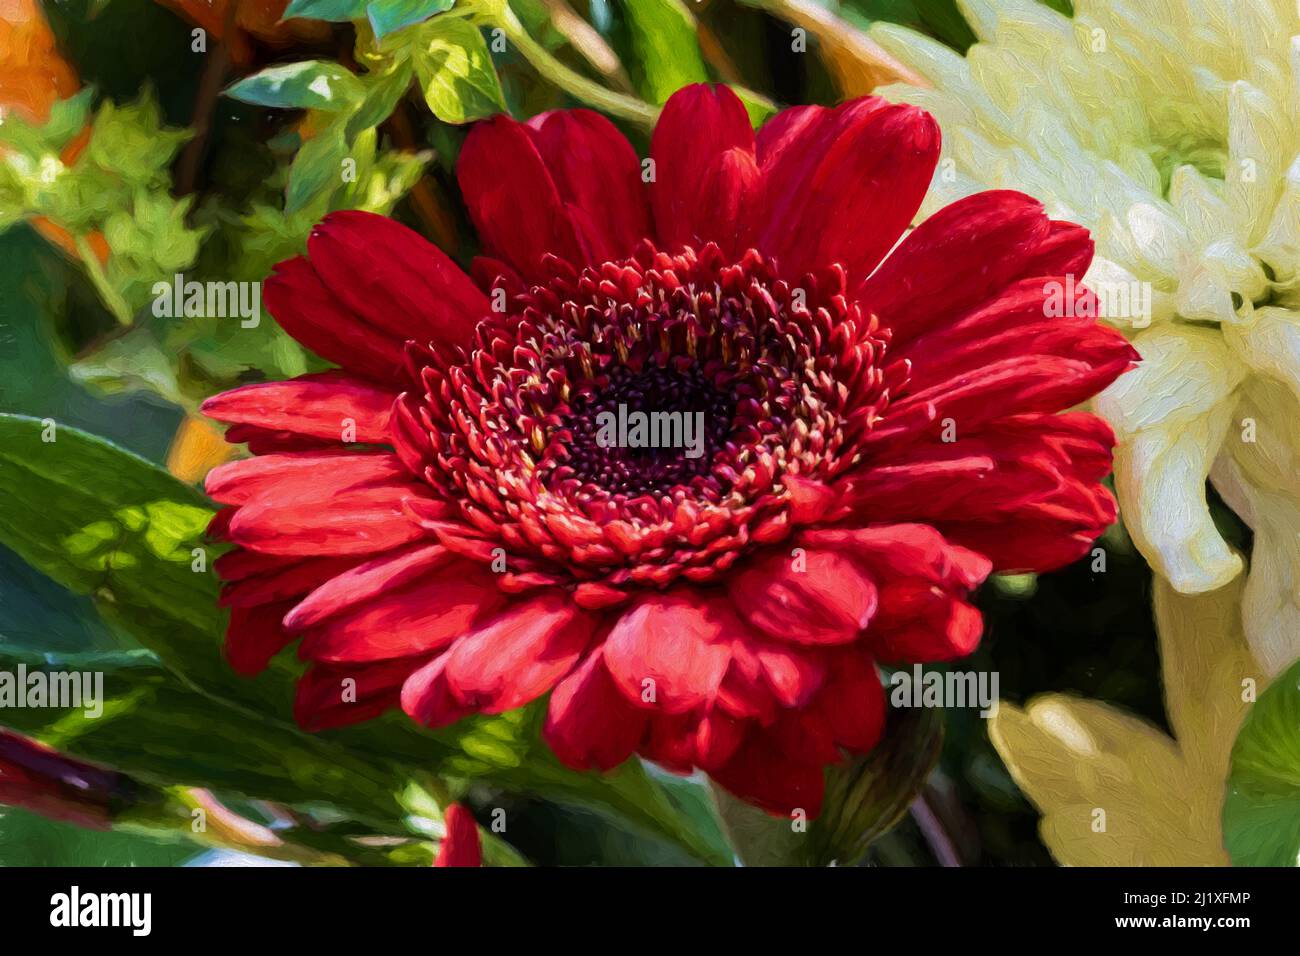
1270, 344
1280, 247
1171, 414
1109, 279
1256, 141
1185, 372
1270, 611
1160, 479
1158, 237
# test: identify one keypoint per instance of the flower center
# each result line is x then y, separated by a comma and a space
648, 431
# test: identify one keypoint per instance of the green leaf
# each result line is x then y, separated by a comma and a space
389, 16
128, 363
67, 119
864, 798
1261, 814
337, 11
130, 143
456, 73
317, 169
383, 92
309, 84
667, 49
101, 521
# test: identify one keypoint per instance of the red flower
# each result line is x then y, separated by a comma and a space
877, 437
460, 847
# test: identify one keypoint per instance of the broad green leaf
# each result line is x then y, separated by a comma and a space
309, 84
667, 50
456, 73
101, 521
1261, 815
317, 169
864, 798
336, 10
389, 16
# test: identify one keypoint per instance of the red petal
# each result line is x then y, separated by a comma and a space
597, 175
716, 738
922, 582
1014, 324
680, 642
1066, 251
422, 616
460, 846
354, 522
904, 550
324, 405
985, 239
761, 773
335, 695
746, 690
813, 597
1048, 533
923, 624
287, 579
292, 474
706, 182
309, 312
589, 723
395, 280
843, 185
366, 582
853, 703
427, 698
519, 655
1011, 465
255, 635
793, 674
512, 199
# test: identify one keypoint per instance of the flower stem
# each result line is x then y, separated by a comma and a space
936, 837
587, 41
577, 85
112, 298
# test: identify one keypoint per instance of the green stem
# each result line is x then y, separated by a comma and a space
551, 69
112, 298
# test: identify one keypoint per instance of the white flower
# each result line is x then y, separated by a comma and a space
1171, 129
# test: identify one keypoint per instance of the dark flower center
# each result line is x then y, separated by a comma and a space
648, 431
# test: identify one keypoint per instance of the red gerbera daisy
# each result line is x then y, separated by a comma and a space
441, 522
